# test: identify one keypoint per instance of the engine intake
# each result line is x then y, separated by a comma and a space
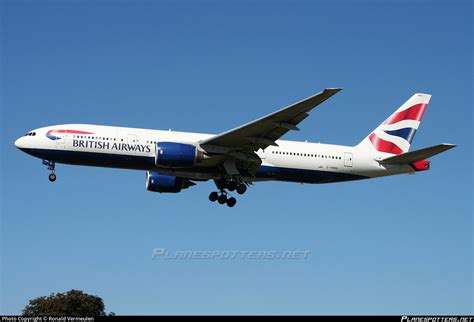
157, 182
176, 155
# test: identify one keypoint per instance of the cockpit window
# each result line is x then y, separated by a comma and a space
30, 134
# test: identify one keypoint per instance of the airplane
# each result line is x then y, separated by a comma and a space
242, 156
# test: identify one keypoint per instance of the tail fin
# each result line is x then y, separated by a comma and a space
396, 133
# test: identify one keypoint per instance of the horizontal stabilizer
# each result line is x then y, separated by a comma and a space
417, 155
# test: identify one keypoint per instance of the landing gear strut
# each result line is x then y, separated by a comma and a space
51, 166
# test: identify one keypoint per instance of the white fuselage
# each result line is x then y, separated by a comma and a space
133, 148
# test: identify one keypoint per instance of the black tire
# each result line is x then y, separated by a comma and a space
232, 186
52, 177
213, 196
231, 202
222, 199
241, 188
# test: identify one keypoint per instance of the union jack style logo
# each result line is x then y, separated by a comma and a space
51, 133
396, 133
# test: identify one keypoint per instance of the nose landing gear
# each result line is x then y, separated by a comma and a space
51, 166
52, 177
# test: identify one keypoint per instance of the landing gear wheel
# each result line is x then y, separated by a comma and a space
231, 202
222, 199
232, 186
213, 196
241, 188
52, 177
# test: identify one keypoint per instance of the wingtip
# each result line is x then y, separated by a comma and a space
333, 89
450, 145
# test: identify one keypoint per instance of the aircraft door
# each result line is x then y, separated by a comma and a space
347, 159
61, 141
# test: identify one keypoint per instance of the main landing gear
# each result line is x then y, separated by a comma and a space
222, 197
51, 165
235, 186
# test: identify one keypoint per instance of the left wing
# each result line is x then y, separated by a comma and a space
237, 147
266, 130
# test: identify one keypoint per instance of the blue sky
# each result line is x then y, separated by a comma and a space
397, 245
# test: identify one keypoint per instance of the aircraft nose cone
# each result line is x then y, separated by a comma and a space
20, 143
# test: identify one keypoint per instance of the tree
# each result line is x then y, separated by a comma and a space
72, 303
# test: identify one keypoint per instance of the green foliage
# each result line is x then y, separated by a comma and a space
72, 303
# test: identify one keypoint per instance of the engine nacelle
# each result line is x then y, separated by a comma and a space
176, 155
157, 182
